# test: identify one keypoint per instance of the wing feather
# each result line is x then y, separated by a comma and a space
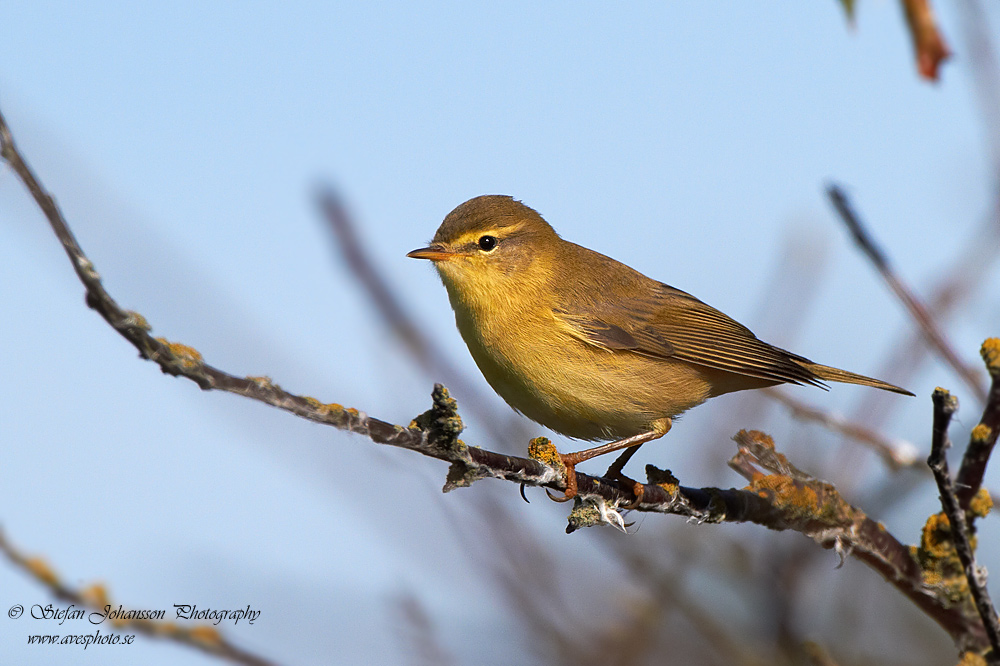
668, 323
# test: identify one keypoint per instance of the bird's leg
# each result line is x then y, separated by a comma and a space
571, 460
615, 472
618, 465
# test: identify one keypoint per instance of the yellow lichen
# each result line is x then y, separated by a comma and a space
263, 381
663, 478
990, 351
936, 537
939, 563
136, 320
981, 503
981, 434
972, 659
785, 493
188, 357
544, 451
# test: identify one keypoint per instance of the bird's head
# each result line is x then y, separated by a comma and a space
492, 247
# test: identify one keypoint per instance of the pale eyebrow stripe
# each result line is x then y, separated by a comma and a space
504, 232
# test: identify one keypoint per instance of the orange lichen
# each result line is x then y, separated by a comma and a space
785, 493
990, 351
206, 634
981, 503
95, 595
166, 628
187, 357
663, 478
325, 409
42, 571
972, 659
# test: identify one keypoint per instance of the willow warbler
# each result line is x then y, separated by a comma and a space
586, 345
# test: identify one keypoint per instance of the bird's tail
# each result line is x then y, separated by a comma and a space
838, 375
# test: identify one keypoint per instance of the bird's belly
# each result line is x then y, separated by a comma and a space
584, 392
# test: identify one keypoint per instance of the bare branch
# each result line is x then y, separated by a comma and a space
945, 405
932, 332
897, 454
203, 637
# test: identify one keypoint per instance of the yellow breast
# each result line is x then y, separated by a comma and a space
555, 379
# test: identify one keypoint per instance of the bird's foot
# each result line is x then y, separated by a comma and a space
569, 461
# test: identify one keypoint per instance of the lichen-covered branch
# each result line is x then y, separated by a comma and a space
945, 405
984, 436
817, 509
203, 637
897, 454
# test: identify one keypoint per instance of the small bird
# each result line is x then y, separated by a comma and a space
587, 346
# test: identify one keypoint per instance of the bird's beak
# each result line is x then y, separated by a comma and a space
434, 253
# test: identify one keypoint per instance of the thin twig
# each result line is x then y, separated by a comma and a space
203, 637
932, 332
898, 454
945, 405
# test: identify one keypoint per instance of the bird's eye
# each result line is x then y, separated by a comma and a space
488, 243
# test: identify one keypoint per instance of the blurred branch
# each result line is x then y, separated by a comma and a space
896, 454
203, 637
986, 75
945, 405
817, 654
932, 332
669, 589
419, 635
928, 44
382, 297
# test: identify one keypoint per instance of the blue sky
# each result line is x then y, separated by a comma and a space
185, 143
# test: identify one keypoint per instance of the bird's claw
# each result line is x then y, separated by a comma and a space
569, 462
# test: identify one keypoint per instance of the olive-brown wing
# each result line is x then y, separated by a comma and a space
669, 323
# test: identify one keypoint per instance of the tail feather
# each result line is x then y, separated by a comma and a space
838, 375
